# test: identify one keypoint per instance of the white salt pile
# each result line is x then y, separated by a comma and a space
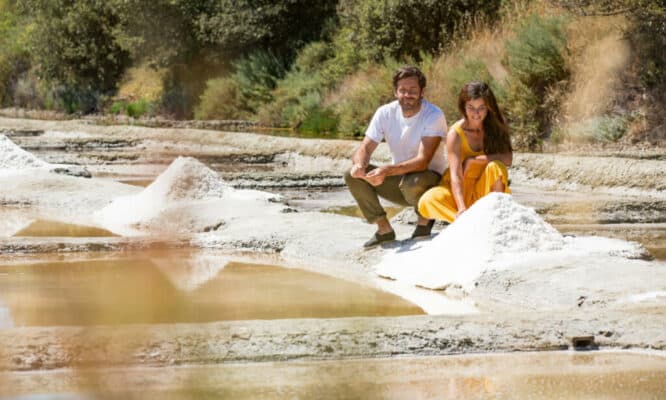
188, 197
13, 157
495, 229
186, 179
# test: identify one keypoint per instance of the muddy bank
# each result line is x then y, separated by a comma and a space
594, 172
280, 340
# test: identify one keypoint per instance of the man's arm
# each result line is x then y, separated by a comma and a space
427, 150
361, 157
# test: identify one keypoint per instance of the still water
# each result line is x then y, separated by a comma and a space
171, 286
547, 375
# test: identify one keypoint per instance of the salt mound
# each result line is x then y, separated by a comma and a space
188, 197
14, 157
493, 229
185, 179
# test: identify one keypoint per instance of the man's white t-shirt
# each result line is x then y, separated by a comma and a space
403, 135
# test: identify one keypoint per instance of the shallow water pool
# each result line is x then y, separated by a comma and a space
546, 375
171, 286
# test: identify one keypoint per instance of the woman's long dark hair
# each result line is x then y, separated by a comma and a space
496, 139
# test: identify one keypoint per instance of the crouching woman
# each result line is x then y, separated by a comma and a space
479, 152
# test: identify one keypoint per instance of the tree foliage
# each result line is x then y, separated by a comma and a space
74, 45
406, 28
14, 55
233, 26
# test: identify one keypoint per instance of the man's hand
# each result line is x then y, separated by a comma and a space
358, 171
376, 176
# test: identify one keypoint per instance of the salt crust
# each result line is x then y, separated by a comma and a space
496, 228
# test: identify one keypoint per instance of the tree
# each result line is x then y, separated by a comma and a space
405, 28
75, 49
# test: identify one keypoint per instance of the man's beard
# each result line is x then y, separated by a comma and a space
410, 105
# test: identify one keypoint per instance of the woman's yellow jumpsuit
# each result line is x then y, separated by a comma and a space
438, 202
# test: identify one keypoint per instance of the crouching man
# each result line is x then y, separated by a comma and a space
413, 129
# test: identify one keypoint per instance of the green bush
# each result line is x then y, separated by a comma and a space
300, 91
138, 108
220, 100
319, 121
536, 63
522, 112
245, 91
117, 107
256, 75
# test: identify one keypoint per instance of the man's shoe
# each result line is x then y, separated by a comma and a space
423, 230
379, 238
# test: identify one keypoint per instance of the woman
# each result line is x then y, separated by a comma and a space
479, 151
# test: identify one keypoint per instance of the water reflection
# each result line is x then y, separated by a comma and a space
45, 228
5, 317
174, 287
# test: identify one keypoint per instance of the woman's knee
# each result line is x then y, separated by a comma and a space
498, 173
496, 165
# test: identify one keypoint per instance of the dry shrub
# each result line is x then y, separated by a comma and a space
599, 59
142, 82
355, 100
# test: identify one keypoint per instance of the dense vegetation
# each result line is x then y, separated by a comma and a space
324, 66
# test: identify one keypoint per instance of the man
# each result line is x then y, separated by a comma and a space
413, 129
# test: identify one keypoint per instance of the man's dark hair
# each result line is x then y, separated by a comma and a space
406, 72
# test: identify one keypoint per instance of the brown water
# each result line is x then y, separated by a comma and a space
174, 287
44, 228
137, 182
548, 375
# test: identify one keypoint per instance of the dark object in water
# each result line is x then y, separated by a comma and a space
582, 343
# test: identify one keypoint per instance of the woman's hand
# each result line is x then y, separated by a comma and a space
460, 211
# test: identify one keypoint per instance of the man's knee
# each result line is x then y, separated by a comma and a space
348, 176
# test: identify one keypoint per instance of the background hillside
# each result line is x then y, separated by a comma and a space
567, 73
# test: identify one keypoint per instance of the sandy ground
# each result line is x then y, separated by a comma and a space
530, 309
